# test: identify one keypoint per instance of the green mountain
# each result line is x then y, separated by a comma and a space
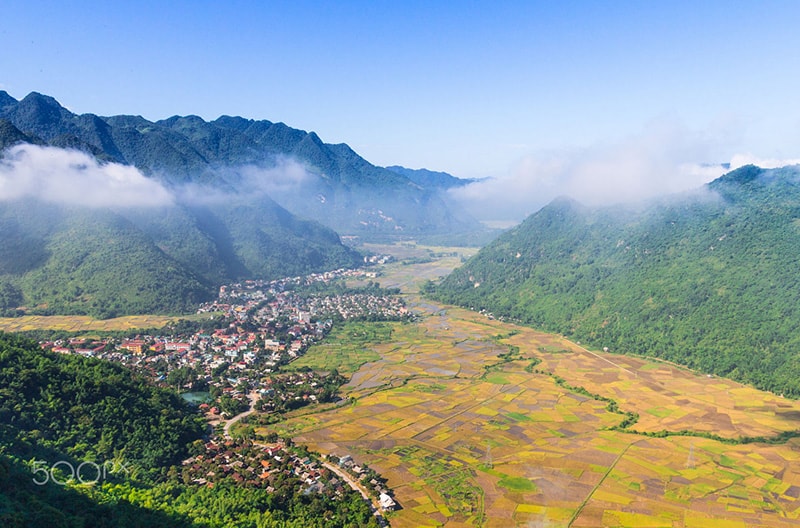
71, 260
328, 183
707, 279
96, 254
86, 408
11, 135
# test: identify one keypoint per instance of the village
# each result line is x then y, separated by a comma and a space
266, 465
253, 329
229, 364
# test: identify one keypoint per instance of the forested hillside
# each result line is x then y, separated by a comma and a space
123, 441
74, 260
707, 279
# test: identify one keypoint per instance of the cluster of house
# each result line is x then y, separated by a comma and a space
80, 346
364, 305
262, 300
240, 293
225, 362
285, 392
256, 465
369, 479
263, 324
241, 355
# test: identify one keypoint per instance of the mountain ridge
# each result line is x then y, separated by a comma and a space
429, 178
75, 257
73, 252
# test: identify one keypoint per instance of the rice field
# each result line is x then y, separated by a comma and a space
83, 323
466, 439
346, 348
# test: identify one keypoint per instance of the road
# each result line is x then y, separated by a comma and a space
253, 397
356, 486
353, 483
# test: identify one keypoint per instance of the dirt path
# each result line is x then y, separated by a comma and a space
598, 356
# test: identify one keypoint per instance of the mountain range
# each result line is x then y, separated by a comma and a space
319, 181
707, 279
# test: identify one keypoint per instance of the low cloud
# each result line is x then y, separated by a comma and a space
665, 158
72, 177
286, 176
248, 182
740, 160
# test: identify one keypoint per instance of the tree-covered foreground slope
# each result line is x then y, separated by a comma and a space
123, 439
708, 279
88, 409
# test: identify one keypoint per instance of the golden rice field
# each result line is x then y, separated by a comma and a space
82, 323
463, 446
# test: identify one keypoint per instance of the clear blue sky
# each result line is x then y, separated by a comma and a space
472, 88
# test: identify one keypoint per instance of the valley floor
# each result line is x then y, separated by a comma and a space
467, 438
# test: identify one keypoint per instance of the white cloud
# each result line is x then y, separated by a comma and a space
740, 160
75, 178
287, 175
662, 159
248, 182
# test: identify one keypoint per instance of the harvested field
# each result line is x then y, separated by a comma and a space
83, 323
467, 439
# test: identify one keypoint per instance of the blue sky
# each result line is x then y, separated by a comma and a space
497, 89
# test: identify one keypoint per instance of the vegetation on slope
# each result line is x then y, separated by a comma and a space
88, 409
104, 263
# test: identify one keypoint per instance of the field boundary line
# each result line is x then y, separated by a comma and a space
599, 483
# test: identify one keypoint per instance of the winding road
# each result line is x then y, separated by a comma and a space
253, 397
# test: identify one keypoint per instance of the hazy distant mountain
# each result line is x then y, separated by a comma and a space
329, 183
708, 279
431, 179
71, 259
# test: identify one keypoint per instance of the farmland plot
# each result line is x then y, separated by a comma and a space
468, 438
